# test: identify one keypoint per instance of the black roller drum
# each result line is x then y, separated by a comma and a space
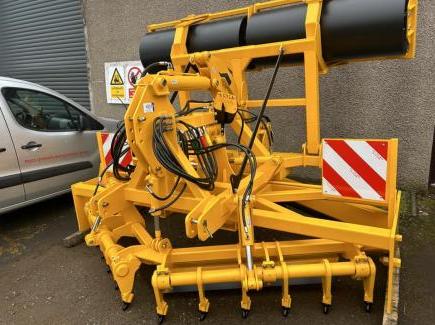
221, 34
216, 35
156, 46
275, 25
351, 29
363, 29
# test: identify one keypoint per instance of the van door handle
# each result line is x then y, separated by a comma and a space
2, 150
31, 145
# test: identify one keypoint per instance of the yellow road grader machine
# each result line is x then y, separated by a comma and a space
184, 163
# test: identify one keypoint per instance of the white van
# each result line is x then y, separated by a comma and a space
47, 143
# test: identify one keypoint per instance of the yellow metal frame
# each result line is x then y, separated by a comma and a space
239, 57
339, 250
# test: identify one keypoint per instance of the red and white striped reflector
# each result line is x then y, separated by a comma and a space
355, 168
106, 140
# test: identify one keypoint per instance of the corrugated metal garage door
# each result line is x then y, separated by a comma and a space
43, 41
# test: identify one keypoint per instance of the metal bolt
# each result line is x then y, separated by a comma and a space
204, 224
122, 270
141, 119
96, 224
163, 82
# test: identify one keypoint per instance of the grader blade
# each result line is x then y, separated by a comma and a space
164, 161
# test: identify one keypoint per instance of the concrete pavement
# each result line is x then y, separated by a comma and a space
43, 282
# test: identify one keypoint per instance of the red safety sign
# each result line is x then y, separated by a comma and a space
106, 142
134, 75
355, 168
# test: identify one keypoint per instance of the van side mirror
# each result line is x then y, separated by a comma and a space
82, 123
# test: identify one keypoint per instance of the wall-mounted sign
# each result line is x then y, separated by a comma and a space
120, 80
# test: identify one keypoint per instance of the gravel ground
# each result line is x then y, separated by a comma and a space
44, 283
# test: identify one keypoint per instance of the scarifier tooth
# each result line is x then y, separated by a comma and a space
125, 305
160, 318
326, 308
245, 313
202, 315
285, 311
368, 306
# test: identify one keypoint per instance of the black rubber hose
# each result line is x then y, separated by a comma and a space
235, 180
149, 68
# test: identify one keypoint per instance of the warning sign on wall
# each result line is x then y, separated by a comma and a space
121, 78
117, 89
134, 72
116, 78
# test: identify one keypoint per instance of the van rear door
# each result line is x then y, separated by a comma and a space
11, 185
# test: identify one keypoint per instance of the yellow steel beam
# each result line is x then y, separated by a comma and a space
411, 32
291, 195
255, 51
289, 102
141, 197
349, 212
296, 223
223, 14
290, 249
393, 262
234, 275
288, 159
